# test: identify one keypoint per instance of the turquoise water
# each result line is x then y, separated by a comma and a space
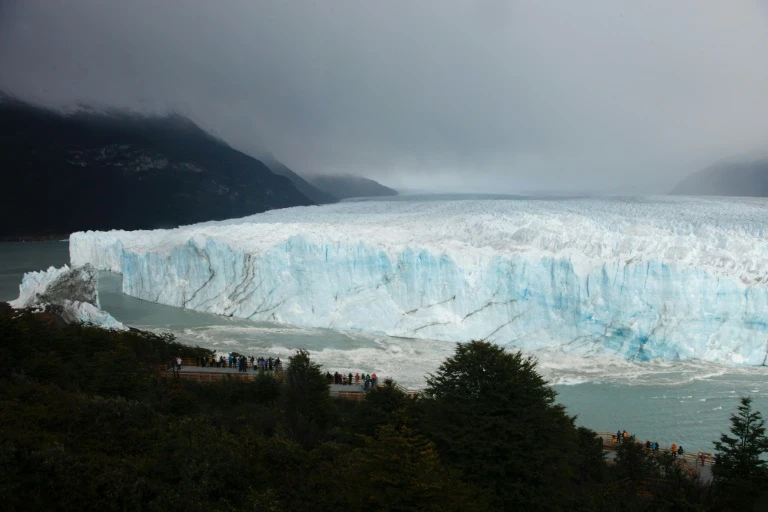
684, 402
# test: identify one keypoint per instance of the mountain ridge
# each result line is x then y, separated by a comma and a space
345, 186
748, 178
90, 170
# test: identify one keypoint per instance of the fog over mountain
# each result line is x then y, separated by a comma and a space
741, 178
453, 96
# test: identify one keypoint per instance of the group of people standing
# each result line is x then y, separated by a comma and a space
365, 381
675, 450
241, 362
650, 447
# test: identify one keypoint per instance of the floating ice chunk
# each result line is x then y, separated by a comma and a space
74, 291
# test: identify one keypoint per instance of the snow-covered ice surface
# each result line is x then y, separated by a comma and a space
74, 290
662, 278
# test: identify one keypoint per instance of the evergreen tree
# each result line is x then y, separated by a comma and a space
633, 462
383, 405
399, 470
739, 456
739, 470
308, 398
494, 417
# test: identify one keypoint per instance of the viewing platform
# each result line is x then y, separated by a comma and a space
191, 371
695, 461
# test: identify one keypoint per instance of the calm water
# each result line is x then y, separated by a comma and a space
685, 402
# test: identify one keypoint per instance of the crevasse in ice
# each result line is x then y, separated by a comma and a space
669, 278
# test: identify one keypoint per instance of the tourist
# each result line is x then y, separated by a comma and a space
624, 435
647, 446
357, 377
618, 435
673, 449
680, 451
349, 378
374, 379
178, 362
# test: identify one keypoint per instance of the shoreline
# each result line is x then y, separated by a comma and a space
35, 238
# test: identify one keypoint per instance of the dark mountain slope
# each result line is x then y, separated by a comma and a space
345, 187
64, 173
731, 179
302, 185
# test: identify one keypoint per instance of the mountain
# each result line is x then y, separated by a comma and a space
748, 178
302, 185
346, 186
63, 173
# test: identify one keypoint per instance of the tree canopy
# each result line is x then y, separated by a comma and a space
493, 416
740, 471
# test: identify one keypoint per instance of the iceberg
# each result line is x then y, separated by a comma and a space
73, 291
671, 278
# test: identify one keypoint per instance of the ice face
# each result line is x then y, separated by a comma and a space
74, 290
667, 278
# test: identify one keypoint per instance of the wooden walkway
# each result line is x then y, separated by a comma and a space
190, 371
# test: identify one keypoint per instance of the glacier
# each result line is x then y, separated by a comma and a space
73, 290
670, 278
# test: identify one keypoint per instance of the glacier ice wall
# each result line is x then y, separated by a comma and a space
74, 290
669, 278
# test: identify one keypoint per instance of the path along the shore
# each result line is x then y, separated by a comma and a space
208, 374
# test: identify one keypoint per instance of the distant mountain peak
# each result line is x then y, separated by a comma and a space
345, 186
312, 192
746, 177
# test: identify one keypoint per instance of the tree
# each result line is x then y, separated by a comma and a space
383, 405
399, 470
739, 456
739, 471
493, 416
309, 404
633, 462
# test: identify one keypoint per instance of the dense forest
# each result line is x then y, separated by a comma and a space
87, 424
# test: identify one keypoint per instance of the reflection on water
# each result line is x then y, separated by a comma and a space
684, 402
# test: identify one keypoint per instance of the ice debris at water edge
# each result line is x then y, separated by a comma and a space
74, 292
662, 278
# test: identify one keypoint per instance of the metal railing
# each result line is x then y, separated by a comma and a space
699, 458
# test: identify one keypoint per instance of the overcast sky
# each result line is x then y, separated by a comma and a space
476, 95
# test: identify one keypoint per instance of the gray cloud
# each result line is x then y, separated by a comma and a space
484, 95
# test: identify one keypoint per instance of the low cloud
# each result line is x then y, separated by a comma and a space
498, 96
